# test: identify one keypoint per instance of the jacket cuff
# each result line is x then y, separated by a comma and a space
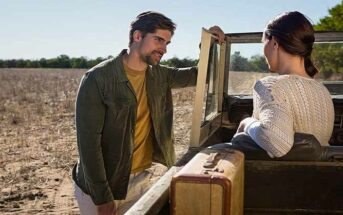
100, 192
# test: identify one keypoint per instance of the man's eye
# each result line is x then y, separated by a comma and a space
159, 39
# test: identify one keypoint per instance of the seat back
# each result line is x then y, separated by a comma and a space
305, 148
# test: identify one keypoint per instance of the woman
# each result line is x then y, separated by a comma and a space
292, 102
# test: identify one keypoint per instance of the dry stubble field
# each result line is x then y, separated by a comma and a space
38, 139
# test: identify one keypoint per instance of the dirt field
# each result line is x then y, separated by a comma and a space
38, 138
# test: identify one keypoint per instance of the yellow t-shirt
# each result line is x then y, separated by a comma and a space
142, 151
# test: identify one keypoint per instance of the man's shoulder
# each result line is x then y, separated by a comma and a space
102, 67
100, 73
107, 67
159, 71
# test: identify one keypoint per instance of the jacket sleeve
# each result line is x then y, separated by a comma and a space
90, 116
272, 125
182, 77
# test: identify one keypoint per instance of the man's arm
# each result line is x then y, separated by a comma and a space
188, 76
184, 77
90, 116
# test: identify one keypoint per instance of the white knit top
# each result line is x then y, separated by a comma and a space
287, 104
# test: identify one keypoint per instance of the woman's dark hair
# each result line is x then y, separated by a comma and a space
149, 22
295, 34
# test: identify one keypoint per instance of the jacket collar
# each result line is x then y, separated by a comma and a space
119, 66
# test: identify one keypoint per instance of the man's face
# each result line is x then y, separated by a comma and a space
154, 45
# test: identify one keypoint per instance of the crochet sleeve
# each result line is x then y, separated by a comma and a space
272, 127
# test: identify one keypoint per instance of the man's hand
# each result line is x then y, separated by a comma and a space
217, 31
108, 208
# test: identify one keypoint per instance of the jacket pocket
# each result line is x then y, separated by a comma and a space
119, 111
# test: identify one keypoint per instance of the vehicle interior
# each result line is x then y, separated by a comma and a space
297, 184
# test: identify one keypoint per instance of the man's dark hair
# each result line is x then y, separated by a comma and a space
149, 22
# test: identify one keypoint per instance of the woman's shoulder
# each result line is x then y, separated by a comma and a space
269, 82
279, 79
288, 80
275, 83
271, 79
285, 84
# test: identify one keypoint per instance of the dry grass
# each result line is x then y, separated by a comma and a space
37, 135
38, 138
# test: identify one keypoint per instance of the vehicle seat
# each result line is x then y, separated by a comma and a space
306, 148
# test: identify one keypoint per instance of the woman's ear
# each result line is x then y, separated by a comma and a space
275, 43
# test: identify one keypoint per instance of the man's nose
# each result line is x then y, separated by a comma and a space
164, 48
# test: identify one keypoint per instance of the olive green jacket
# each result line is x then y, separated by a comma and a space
105, 121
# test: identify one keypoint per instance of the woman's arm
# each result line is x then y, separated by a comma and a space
272, 127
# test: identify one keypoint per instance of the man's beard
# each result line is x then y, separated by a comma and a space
149, 59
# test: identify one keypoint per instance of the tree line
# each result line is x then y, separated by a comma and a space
238, 63
327, 57
62, 61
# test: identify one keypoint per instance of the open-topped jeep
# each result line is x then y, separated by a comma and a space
299, 185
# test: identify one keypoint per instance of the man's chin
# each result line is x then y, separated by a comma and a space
153, 62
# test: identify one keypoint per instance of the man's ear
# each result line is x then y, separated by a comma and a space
137, 36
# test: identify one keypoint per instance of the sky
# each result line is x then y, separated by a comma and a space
34, 29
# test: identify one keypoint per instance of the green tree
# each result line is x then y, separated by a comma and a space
79, 62
332, 22
179, 63
92, 63
328, 56
52, 63
20, 63
239, 63
43, 63
32, 64
63, 61
258, 63
11, 63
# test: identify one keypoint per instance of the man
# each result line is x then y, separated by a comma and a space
124, 116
